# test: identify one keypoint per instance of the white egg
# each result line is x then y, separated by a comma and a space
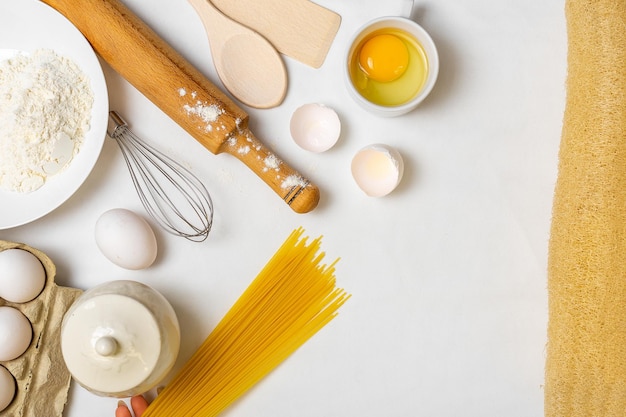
315, 127
7, 388
16, 333
377, 169
126, 239
22, 276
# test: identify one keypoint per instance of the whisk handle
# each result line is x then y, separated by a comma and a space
152, 66
296, 191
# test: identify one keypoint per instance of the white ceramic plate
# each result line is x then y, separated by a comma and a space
28, 25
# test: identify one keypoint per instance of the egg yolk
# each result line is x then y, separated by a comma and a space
384, 58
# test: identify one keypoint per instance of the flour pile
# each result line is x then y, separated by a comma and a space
45, 111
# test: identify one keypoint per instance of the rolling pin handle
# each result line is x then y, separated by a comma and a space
298, 192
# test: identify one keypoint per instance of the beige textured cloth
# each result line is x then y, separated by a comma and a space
586, 350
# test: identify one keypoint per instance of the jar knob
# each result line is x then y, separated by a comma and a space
106, 346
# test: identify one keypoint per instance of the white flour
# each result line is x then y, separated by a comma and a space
208, 113
45, 110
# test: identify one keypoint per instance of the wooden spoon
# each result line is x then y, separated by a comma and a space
249, 66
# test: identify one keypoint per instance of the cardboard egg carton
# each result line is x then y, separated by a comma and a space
42, 378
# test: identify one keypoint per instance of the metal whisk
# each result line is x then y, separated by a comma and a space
174, 197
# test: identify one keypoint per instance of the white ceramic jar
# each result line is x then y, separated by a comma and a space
120, 339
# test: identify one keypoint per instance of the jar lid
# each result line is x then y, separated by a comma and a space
111, 343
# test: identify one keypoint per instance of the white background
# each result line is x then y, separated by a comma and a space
447, 274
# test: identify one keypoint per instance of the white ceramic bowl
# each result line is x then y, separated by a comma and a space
421, 36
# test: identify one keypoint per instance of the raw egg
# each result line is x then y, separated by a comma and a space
377, 169
16, 333
126, 239
389, 67
7, 388
22, 276
384, 57
315, 127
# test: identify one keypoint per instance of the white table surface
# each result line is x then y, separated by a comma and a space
447, 274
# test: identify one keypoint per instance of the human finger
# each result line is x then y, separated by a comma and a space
139, 405
122, 410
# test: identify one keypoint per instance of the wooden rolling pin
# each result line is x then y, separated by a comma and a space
138, 54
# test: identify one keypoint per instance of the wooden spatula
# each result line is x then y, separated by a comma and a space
300, 29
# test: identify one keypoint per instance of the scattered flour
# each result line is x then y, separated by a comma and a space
45, 110
232, 140
271, 162
209, 113
294, 181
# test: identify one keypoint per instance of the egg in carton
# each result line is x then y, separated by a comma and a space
41, 377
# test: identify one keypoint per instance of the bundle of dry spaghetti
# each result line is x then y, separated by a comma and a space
292, 298
586, 350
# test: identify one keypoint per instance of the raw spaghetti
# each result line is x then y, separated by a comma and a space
292, 298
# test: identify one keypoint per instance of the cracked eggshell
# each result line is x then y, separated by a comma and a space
315, 127
126, 239
377, 169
